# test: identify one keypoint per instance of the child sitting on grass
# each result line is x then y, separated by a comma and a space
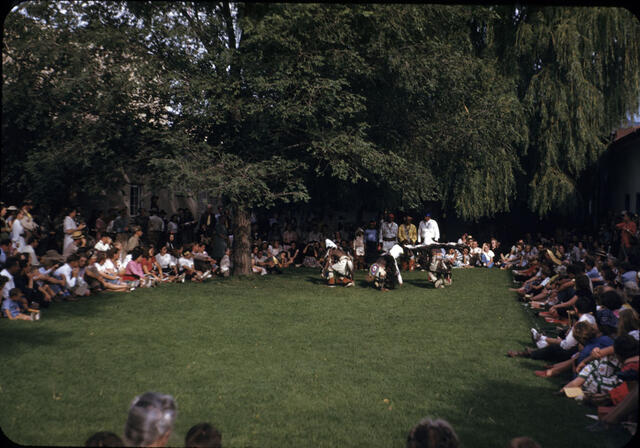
13, 307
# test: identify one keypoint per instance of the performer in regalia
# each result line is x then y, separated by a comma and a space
384, 273
337, 261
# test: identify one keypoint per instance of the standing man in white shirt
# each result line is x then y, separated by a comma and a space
428, 231
388, 234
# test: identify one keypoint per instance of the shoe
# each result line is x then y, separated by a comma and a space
348, 284
37, 315
331, 286
438, 283
543, 373
528, 296
535, 336
542, 343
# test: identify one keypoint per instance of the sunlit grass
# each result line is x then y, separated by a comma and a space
285, 361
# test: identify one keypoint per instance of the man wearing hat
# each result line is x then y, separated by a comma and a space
428, 231
388, 234
77, 241
337, 261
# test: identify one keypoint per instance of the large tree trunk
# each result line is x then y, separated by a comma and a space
241, 242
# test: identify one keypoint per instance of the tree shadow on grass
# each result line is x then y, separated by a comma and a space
508, 408
316, 280
16, 336
420, 283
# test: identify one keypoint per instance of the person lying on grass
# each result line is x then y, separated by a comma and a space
15, 305
600, 376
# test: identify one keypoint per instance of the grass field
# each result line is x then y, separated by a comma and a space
284, 361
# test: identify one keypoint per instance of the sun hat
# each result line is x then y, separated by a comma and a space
330, 244
77, 235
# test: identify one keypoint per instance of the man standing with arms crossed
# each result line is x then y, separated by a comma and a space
388, 234
428, 231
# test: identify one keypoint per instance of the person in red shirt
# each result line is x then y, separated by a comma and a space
627, 232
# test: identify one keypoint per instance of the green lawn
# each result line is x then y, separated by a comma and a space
280, 361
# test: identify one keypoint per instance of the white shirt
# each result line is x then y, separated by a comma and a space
68, 224
16, 234
165, 260
65, 271
27, 249
569, 341
102, 246
7, 286
185, 262
428, 232
225, 263
388, 230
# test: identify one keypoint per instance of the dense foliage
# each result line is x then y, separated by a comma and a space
478, 108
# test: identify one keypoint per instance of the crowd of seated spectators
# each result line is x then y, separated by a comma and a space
587, 302
69, 257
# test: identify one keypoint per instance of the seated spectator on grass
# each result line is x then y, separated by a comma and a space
203, 435
168, 264
311, 254
202, 261
150, 265
134, 276
11, 269
14, 307
150, 421
29, 248
294, 254
103, 244
559, 349
104, 439
255, 267
487, 255
432, 434
225, 264
600, 376
186, 267
110, 279
70, 272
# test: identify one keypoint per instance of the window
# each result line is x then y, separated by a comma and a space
135, 199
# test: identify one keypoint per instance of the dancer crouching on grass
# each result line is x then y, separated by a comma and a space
338, 261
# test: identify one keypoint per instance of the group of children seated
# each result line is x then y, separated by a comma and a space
587, 302
28, 287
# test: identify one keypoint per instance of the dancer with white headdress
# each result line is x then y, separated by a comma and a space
384, 273
337, 261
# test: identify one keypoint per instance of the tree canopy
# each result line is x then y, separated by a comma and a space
478, 108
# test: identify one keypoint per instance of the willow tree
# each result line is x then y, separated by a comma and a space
578, 77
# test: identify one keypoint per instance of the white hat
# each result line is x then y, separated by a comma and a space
330, 244
396, 251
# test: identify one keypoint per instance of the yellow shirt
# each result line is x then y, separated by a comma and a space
407, 233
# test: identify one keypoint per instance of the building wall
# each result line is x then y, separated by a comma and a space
623, 176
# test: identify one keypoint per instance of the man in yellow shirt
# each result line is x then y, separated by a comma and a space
408, 234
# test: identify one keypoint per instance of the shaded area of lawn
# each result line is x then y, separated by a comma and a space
285, 361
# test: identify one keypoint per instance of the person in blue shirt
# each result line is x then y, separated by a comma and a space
371, 243
11, 307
